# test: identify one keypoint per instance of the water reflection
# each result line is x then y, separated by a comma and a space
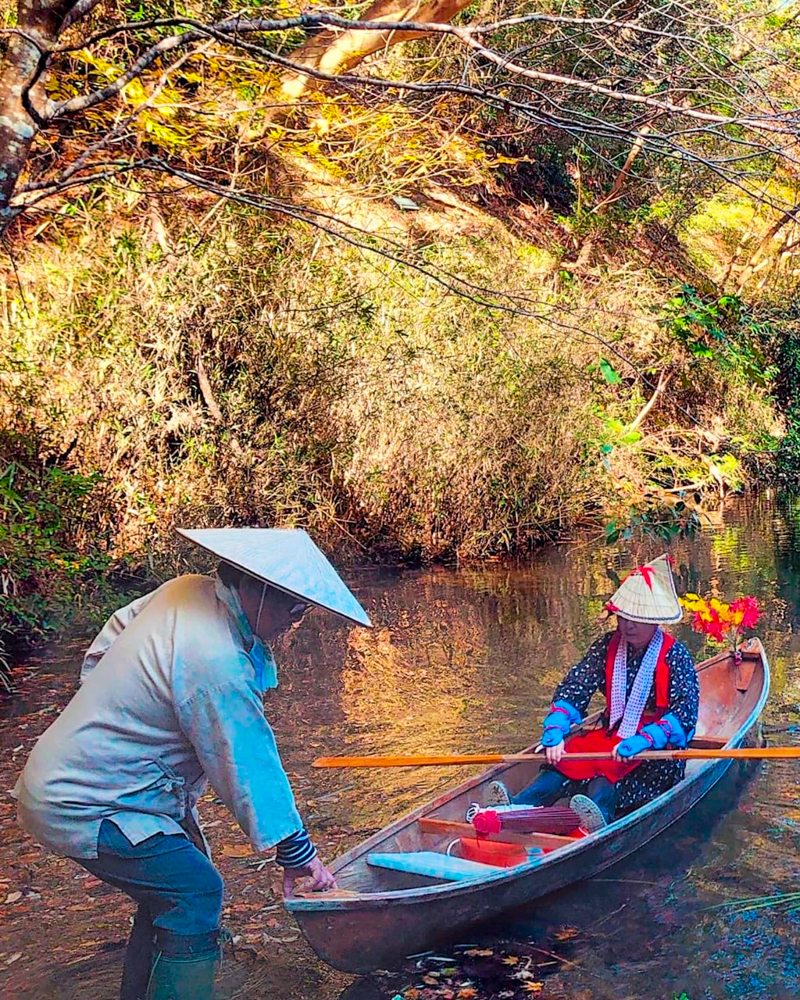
468, 660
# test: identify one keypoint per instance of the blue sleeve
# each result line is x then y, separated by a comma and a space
558, 723
668, 731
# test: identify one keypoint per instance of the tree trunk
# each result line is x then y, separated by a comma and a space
337, 51
41, 21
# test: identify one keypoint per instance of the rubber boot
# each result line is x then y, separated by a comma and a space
190, 978
138, 957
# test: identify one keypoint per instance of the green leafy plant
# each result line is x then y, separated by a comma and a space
722, 330
41, 570
664, 521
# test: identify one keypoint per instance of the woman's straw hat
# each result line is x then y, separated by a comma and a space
648, 595
285, 558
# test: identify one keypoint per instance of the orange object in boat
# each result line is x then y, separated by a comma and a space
492, 852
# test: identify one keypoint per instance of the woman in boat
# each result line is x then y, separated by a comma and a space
170, 697
651, 690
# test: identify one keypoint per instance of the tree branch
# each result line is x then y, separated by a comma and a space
25, 60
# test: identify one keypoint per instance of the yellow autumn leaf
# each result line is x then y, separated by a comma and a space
566, 933
134, 92
236, 850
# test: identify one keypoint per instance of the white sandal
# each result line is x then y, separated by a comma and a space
590, 816
498, 794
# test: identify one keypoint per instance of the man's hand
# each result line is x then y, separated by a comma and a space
553, 753
321, 878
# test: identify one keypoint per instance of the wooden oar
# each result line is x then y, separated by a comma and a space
445, 760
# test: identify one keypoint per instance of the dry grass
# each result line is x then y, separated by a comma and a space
242, 370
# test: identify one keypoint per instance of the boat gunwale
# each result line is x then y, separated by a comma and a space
753, 649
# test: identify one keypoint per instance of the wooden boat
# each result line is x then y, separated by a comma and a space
379, 916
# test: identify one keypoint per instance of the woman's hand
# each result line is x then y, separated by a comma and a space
553, 753
321, 878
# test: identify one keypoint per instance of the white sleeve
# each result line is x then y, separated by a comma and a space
236, 748
109, 632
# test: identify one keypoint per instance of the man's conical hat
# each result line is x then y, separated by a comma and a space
648, 595
285, 558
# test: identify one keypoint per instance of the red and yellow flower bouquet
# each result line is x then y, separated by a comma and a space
719, 621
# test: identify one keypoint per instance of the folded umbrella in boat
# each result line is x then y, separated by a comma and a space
526, 819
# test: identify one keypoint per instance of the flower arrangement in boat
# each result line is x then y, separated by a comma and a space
719, 621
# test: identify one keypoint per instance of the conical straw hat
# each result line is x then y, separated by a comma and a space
286, 558
648, 595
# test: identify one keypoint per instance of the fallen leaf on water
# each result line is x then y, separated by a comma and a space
237, 851
566, 933
430, 979
467, 993
510, 960
482, 952
12, 897
533, 987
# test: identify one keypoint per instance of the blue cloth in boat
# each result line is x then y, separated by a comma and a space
432, 864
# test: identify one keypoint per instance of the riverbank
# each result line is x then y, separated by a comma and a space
458, 661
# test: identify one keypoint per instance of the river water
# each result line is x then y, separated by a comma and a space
467, 660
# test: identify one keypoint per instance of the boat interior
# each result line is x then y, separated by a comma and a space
436, 845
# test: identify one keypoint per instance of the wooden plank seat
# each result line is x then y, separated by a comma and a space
708, 743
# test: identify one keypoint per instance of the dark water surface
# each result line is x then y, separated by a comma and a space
467, 660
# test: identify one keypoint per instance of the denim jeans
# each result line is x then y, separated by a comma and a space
179, 893
551, 785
